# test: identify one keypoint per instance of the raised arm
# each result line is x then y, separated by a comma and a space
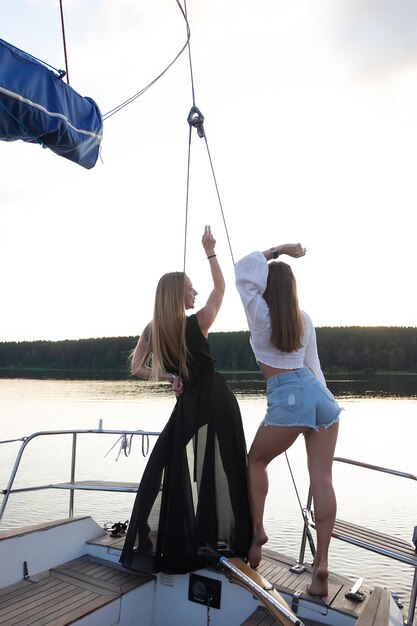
295, 250
252, 275
208, 313
252, 271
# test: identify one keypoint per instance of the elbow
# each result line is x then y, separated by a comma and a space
219, 288
141, 371
136, 370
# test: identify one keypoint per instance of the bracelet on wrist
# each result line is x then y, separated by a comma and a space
211, 256
274, 253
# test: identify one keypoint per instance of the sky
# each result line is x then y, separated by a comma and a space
311, 121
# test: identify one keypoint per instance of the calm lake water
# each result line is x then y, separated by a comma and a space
378, 426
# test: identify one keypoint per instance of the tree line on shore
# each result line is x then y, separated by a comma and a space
341, 349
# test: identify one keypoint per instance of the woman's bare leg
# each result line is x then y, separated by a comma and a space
269, 442
320, 451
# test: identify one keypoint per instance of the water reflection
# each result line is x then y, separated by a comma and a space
373, 386
46, 374
245, 383
341, 385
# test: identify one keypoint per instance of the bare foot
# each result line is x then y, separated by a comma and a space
255, 551
319, 586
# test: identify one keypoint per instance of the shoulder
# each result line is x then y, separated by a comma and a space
308, 324
193, 330
257, 255
191, 322
254, 259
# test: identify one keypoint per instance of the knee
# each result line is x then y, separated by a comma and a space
255, 461
252, 461
320, 484
253, 455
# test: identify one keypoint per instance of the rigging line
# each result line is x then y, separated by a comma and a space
189, 55
218, 197
187, 195
294, 483
303, 514
61, 73
63, 39
196, 119
144, 89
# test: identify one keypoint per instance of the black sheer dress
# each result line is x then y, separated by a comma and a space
193, 490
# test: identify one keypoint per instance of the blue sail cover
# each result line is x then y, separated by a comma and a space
37, 106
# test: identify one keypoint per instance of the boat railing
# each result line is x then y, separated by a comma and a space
72, 485
383, 544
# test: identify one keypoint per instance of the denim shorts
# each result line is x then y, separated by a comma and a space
298, 398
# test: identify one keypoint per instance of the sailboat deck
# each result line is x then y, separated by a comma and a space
275, 567
77, 588
66, 593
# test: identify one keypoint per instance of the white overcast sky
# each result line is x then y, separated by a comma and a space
311, 119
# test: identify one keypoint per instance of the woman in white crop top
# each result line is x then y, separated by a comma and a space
283, 340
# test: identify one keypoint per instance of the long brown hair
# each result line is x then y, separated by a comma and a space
281, 297
166, 332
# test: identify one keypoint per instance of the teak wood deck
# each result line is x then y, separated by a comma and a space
72, 590
275, 567
66, 593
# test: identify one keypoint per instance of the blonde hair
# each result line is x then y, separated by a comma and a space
281, 296
165, 334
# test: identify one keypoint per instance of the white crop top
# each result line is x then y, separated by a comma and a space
251, 280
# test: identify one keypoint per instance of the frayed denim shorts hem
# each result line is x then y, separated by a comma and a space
297, 398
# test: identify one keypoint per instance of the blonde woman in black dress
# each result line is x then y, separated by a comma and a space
194, 484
